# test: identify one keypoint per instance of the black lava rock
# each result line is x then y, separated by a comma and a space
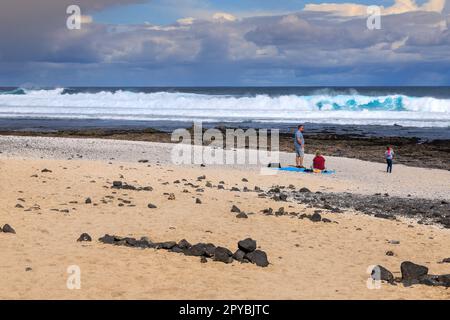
84, 237
316, 217
258, 257
144, 244
381, 273
223, 255
184, 244
280, 212
198, 201
209, 250
235, 209
166, 245
151, 206
88, 201
8, 229
247, 245
242, 215
239, 255
129, 242
107, 239
436, 280
117, 184
305, 190
411, 271
197, 250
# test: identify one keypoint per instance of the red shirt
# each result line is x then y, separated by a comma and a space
319, 163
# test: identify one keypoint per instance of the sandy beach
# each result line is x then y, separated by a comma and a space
308, 260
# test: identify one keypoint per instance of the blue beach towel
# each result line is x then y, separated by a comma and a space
294, 169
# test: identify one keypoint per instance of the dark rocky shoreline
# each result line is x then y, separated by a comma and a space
382, 206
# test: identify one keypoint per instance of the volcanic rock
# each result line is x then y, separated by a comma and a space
241, 215
8, 229
247, 245
235, 209
258, 257
411, 271
184, 244
381, 273
84, 237
316, 217
166, 245
223, 255
239, 255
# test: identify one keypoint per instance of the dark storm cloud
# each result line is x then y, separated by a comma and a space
36, 29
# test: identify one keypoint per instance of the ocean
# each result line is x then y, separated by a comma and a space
423, 110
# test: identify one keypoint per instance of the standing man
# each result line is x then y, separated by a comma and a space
299, 143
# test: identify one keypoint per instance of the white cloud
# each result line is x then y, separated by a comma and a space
399, 7
223, 16
186, 21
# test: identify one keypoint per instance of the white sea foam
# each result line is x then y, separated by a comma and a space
320, 108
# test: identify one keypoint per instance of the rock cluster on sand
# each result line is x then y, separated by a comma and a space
7, 229
246, 252
126, 186
411, 274
381, 206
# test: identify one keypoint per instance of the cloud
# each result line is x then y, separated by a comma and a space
307, 47
399, 7
224, 16
27, 27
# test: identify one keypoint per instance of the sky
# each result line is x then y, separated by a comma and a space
224, 43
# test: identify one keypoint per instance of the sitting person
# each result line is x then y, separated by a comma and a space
319, 161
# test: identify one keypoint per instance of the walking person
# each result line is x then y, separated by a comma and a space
389, 155
299, 143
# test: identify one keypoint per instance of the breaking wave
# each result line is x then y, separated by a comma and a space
320, 107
